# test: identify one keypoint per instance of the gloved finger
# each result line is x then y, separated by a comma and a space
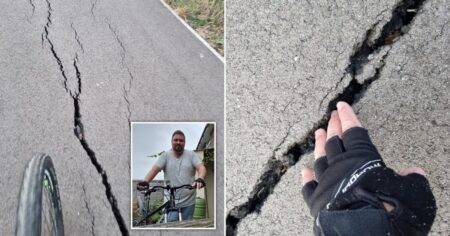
309, 183
319, 147
320, 163
357, 138
307, 176
411, 170
354, 136
333, 147
347, 116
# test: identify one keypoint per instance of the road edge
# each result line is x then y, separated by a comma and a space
193, 32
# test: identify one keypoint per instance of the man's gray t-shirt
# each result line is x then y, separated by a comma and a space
180, 171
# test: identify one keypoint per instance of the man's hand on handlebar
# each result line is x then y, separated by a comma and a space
199, 183
142, 186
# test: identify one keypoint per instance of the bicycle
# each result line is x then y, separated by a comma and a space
39, 210
167, 207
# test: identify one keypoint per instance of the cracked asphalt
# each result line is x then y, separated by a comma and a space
289, 61
74, 74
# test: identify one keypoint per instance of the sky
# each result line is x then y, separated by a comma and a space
152, 138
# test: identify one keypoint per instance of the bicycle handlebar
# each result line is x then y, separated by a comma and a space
168, 187
184, 186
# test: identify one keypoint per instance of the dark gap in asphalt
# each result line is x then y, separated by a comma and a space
78, 74
126, 94
58, 60
123, 52
116, 36
48, 23
77, 37
402, 16
45, 36
126, 88
33, 7
79, 133
109, 195
93, 5
78, 125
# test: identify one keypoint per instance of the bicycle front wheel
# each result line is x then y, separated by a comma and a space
39, 211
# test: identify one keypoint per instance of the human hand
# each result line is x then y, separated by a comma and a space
143, 185
199, 183
350, 174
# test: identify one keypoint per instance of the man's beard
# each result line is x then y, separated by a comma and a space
179, 148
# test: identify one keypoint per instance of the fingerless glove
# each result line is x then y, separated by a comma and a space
353, 177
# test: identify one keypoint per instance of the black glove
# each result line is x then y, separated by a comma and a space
202, 181
353, 177
142, 185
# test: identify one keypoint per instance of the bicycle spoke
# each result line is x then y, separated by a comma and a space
48, 210
46, 225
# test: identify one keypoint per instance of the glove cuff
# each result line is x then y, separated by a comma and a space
202, 181
353, 222
140, 184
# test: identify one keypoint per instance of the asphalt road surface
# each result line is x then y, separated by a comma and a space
288, 62
73, 75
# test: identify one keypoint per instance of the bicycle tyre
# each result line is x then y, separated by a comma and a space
39, 178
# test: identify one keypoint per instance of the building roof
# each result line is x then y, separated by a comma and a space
207, 139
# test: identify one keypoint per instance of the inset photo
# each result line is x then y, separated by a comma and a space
173, 175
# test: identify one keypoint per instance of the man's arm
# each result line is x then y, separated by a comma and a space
157, 167
200, 181
201, 170
152, 173
148, 178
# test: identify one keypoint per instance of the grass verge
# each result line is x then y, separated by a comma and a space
205, 17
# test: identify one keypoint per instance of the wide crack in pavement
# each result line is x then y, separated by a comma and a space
402, 15
78, 125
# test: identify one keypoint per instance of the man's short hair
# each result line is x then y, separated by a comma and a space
179, 132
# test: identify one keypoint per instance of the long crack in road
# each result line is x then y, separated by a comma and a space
75, 75
78, 124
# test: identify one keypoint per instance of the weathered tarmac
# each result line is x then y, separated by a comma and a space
288, 61
94, 66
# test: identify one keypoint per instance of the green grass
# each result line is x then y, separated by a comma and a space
205, 17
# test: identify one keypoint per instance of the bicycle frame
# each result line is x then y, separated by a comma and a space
168, 206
